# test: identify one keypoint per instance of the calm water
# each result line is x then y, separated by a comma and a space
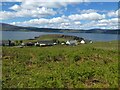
16, 35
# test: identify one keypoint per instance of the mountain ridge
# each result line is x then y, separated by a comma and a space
8, 27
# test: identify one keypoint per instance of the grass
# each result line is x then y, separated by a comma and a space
51, 37
83, 66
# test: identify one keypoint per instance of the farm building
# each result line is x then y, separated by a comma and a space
72, 42
8, 43
5, 43
45, 43
22, 44
86, 41
82, 41
29, 44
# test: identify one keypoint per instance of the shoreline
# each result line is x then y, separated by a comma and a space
59, 32
95, 40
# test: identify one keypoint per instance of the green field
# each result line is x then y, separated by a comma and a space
83, 66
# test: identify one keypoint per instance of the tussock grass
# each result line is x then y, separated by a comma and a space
84, 66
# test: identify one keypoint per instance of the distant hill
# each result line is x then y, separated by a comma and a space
8, 27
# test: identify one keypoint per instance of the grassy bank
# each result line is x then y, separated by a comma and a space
83, 66
59, 37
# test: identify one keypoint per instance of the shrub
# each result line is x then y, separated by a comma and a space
77, 58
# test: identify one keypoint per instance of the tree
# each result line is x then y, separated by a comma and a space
56, 40
21, 41
9, 42
16, 42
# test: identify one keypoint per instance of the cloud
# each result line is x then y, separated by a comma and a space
6, 15
48, 3
83, 19
15, 7
61, 0
77, 23
36, 12
87, 16
11, 0
108, 21
65, 23
114, 13
62, 19
56, 20
88, 11
104, 1
40, 21
46, 0
70, 25
36, 8
37, 21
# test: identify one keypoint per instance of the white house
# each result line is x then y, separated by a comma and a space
91, 41
82, 42
42, 44
22, 44
72, 42
68, 42
36, 44
55, 43
45, 43
86, 41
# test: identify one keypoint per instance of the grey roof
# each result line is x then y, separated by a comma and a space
5, 42
73, 41
46, 42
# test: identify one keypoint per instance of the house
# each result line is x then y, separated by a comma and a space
55, 43
29, 44
72, 42
12, 43
22, 44
37, 44
63, 43
86, 41
45, 43
5, 43
82, 41
8, 43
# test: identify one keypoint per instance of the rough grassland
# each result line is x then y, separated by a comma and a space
84, 66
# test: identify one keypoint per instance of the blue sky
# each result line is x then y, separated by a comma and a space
72, 15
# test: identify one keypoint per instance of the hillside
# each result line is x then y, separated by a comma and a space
82, 66
8, 27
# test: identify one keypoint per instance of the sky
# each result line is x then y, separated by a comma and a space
69, 14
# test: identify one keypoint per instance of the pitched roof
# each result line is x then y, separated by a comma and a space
73, 41
46, 42
5, 41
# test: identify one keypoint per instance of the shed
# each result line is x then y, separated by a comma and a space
72, 42
8, 43
45, 43
82, 41
5, 43
29, 44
